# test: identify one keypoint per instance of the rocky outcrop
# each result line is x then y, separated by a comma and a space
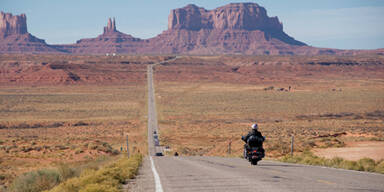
10, 25
111, 41
111, 26
236, 28
238, 16
14, 36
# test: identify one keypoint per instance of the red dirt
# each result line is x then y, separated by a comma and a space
355, 151
55, 69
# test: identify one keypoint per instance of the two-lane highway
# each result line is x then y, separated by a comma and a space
176, 174
235, 174
152, 116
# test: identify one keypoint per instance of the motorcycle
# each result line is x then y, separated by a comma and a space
254, 154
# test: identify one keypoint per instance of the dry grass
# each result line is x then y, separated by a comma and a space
364, 164
203, 102
49, 126
108, 178
201, 118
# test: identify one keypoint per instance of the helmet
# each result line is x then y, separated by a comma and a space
255, 126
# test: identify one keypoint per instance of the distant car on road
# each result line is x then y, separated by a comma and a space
159, 154
157, 143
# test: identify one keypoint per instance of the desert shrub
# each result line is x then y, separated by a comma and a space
22, 126
98, 188
79, 150
61, 147
335, 162
37, 125
80, 123
282, 147
66, 172
2, 142
310, 143
12, 148
26, 149
56, 124
105, 147
380, 167
367, 164
102, 146
36, 181
269, 88
38, 148
92, 146
351, 165
115, 152
106, 179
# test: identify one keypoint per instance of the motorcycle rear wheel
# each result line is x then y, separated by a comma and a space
254, 162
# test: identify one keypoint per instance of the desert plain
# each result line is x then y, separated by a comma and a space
60, 110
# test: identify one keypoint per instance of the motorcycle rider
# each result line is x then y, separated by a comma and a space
253, 139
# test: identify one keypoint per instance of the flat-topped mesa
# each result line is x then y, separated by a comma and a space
12, 24
241, 16
111, 27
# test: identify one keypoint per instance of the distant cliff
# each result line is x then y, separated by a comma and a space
236, 28
14, 36
10, 24
240, 16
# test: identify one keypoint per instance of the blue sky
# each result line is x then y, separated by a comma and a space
344, 24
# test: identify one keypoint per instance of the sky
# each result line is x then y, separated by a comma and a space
343, 24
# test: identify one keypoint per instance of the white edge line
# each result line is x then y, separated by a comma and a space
324, 167
158, 186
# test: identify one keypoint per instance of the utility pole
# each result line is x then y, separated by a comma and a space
292, 140
122, 139
229, 147
127, 147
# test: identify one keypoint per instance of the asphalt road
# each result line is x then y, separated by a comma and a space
176, 174
152, 115
235, 174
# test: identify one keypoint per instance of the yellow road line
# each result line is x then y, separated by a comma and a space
326, 182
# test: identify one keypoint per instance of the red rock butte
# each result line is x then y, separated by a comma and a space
10, 24
14, 36
236, 28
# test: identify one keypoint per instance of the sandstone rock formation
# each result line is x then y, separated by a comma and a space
14, 36
237, 16
236, 28
111, 27
10, 25
111, 41
242, 28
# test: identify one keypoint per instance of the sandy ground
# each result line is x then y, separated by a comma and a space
355, 151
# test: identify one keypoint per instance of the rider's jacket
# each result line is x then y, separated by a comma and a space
251, 135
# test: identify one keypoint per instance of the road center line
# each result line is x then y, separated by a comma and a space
326, 182
158, 186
